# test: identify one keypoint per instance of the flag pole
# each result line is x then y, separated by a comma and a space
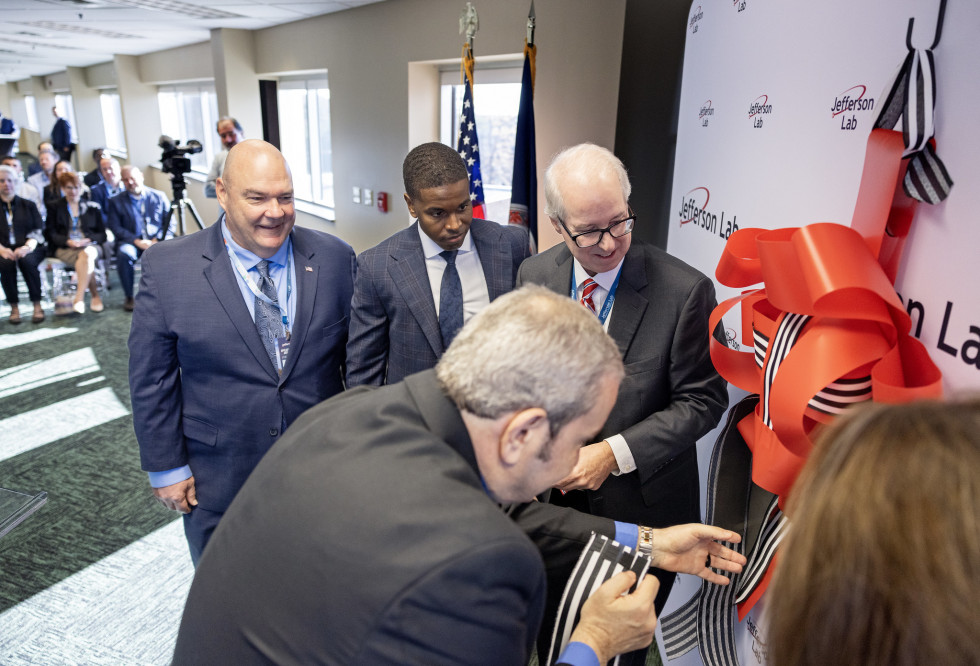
467, 144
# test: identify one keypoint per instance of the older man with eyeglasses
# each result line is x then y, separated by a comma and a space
642, 467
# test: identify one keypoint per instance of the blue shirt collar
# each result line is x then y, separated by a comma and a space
248, 258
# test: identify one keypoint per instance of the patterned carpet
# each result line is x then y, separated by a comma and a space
97, 575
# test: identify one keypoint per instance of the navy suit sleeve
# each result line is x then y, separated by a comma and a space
367, 342
154, 378
115, 218
483, 607
698, 395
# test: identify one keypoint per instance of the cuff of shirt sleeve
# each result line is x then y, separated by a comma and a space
627, 534
624, 457
170, 477
578, 654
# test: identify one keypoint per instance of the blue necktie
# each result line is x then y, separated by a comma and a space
268, 319
450, 299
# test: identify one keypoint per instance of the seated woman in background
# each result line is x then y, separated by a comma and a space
881, 564
21, 245
52, 191
77, 230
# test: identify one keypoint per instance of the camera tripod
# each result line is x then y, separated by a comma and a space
179, 207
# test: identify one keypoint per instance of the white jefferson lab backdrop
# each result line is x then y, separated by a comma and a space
762, 142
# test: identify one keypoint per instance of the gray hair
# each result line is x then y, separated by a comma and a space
586, 160
529, 348
10, 171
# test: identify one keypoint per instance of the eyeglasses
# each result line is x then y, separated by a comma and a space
617, 229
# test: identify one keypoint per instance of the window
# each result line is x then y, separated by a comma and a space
496, 100
31, 105
190, 111
66, 110
304, 136
115, 139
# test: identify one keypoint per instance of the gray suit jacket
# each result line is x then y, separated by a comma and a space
380, 547
394, 329
671, 395
203, 389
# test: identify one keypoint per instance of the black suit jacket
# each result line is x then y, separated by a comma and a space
394, 328
365, 537
203, 389
671, 395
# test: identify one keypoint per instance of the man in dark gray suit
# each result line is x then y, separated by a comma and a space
642, 467
238, 329
400, 316
372, 534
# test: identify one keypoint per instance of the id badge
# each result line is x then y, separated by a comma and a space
282, 351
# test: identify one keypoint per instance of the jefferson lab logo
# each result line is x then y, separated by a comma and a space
851, 101
705, 112
759, 107
694, 211
696, 17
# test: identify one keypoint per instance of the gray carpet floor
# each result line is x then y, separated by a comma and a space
99, 574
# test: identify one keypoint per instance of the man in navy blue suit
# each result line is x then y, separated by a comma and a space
237, 330
400, 309
137, 218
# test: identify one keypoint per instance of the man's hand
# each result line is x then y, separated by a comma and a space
22, 252
7, 253
611, 623
595, 463
143, 243
687, 548
180, 496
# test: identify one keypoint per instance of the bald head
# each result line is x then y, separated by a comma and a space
132, 179
256, 191
250, 156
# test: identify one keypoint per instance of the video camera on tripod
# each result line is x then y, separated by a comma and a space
174, 161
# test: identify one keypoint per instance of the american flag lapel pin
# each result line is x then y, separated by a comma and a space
309, 269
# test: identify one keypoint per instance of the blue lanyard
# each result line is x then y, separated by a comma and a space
603, 314
252, 287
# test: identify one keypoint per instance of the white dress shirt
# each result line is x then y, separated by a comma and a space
476, 296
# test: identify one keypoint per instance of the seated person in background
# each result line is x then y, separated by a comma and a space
95, 175
136, 218
21, 245
109, 186
52, 193
76, 230
24, 189
881, 564
46, 160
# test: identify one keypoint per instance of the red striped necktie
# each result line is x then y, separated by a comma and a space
588, 288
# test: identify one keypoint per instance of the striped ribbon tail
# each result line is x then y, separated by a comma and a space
911, 98
601, 559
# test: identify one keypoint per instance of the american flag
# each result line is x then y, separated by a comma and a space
467, 144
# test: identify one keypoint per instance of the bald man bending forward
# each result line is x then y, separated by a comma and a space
209, 399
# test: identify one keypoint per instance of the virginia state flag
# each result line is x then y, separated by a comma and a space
524, 184
467, 144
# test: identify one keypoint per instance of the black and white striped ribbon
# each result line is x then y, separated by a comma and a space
911, 98
601, 559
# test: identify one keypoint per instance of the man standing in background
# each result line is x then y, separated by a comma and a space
231, 134
61, 136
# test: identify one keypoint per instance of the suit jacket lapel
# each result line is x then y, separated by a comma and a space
493, 257
306, 283
630, 303
221, 276
411, 279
